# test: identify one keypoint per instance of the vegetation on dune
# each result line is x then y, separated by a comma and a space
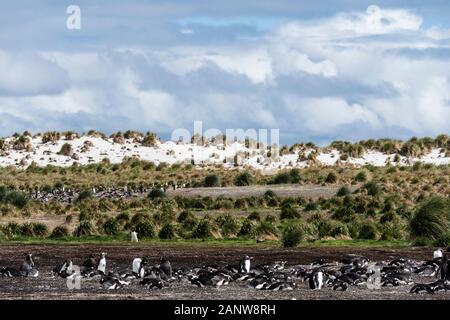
369, 204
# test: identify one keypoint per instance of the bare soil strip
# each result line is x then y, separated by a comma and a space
47, 256
307, 191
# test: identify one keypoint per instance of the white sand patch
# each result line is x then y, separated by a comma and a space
230, 156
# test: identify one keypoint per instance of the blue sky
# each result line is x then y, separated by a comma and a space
317, 70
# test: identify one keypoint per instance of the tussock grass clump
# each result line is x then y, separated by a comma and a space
84, 228
50, 136
167, 232
111, 227
292, 236
211, 180
431, 219
203, 230
247, 229
145, 229
289, 212
156, 193
149, 140
59, 232
228, 225
343, 191
66, 150
244, 179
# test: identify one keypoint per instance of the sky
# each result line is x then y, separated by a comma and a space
316, 70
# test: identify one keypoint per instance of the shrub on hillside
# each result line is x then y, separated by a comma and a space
211, 180
431, 219
228, 225
368, 231
84, 228
244, 179
292, 236
203, 230
343, 191
66, 150
145, 229
372, 188
83, 195
288, 212
111, 227
361, 176
254, 216
247, 229
156, 193
167, 232
40, 230
59, 232
331, 178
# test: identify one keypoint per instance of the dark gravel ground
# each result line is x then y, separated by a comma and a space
47, 256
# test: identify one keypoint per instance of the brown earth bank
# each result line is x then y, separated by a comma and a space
48, 256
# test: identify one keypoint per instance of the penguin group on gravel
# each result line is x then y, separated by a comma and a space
350, 271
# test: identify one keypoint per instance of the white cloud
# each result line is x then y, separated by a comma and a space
248, 84
437, 33
30, 74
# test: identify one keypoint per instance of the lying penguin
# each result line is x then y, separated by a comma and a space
27, 269
92, 268
64, 270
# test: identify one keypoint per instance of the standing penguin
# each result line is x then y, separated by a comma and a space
138, 268
444, 267
316, 280
244, 264
101, 267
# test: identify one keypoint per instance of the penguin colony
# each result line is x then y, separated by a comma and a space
349, 271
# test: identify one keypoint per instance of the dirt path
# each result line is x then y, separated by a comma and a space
307, 191
47, 256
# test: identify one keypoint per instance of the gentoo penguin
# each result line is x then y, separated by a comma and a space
90, 263
27, 268
151, 283
165, 267
244, 265
444, 268
138, 268
64, 270
340, 285
421, 287
316, 280
437, 254
101, 266
112, 282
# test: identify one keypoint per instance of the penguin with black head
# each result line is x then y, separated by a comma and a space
165, 267
27, 268
245, 264
316, 280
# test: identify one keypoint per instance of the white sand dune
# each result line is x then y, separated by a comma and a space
232, 155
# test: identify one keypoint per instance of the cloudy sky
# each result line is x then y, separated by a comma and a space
317, 70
